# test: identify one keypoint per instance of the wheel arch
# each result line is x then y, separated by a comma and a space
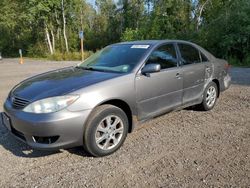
125, 107
218, 86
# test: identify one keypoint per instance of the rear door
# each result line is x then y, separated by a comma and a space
193, 73
160, 91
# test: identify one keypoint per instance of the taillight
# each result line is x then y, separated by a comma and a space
227, 66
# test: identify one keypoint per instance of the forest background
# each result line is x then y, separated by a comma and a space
50, 28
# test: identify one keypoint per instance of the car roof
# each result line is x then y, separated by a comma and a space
154, 42
158, 42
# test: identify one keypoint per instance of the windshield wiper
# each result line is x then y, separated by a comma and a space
95, 69
85, 68
92, 69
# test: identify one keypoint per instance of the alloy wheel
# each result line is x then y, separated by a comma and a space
211, 96
109, 132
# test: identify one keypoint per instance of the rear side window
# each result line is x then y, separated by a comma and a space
189, 54
203, 57
165, 56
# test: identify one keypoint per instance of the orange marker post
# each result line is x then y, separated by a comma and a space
21, 56
81, 36
82, 49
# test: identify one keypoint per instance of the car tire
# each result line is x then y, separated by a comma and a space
106, 130
210, 96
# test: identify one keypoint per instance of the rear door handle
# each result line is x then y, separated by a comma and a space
208, 69
178, 75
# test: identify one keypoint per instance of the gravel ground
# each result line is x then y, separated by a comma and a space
180, 149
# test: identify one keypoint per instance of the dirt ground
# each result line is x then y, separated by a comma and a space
180, 149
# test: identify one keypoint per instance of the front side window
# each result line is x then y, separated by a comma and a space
165, 56
189, 54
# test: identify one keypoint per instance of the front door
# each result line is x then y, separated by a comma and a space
160, 91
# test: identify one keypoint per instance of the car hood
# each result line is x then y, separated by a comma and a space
59, 82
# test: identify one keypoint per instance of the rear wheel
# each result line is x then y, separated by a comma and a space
106, 130
209, 97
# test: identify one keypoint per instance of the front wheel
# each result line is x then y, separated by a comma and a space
106, 130
209, 97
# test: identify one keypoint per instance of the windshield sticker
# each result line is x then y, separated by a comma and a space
140, 46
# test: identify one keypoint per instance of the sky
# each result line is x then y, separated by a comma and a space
92, 2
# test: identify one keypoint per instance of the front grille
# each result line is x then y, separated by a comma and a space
45, 140
18, 103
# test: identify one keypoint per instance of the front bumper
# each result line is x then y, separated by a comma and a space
63, 129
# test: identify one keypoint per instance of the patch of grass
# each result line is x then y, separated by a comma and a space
69, 56
58, 56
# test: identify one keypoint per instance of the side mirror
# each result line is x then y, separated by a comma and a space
151, 68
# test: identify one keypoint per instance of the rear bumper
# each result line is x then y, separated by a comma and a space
225, 83
62, 129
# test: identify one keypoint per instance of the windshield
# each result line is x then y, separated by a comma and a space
117, 58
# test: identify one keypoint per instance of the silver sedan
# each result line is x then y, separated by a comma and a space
97, 103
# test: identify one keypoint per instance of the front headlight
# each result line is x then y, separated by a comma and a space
52, 104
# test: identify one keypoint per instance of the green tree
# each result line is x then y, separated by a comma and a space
52, 26
226, 29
